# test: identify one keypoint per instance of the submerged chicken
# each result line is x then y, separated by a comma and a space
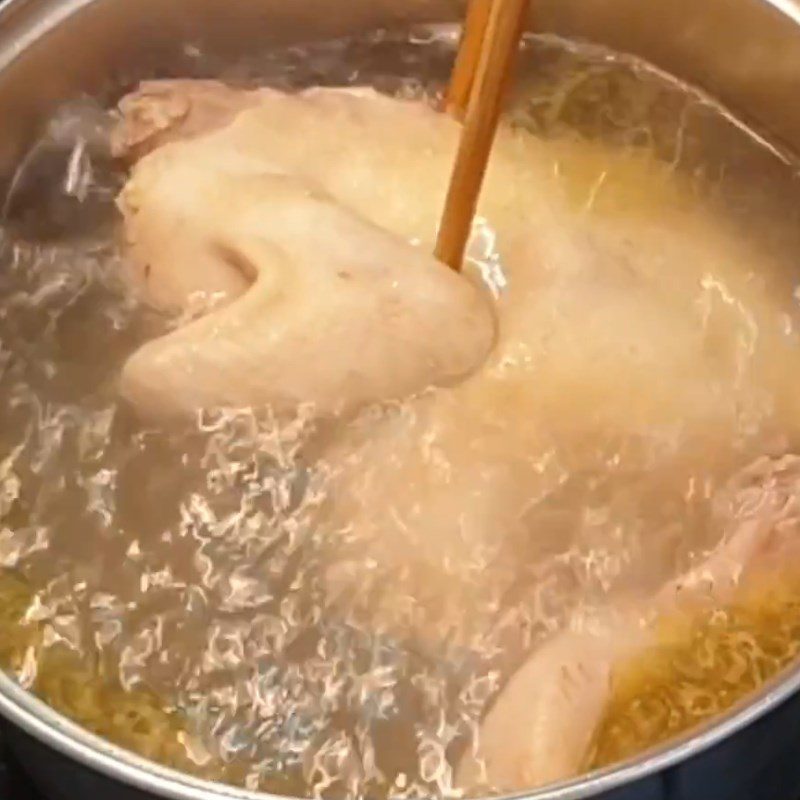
542, 725
298, 227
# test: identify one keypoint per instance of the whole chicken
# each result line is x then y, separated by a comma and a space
631, 329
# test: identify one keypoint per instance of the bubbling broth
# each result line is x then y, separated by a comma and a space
206, 594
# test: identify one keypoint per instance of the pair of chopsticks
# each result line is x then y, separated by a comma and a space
478, 86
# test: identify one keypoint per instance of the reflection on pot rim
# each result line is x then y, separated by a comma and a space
40, 721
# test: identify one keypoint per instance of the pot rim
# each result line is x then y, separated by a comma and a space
44, 724
49, 727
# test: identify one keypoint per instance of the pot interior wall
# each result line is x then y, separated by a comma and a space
747, 52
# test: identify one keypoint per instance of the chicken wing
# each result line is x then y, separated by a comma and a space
312, 304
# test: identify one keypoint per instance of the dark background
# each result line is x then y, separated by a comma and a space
14, 785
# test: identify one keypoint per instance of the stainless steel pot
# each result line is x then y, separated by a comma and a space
746, 52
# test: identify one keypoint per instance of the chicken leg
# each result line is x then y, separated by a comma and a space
541, 726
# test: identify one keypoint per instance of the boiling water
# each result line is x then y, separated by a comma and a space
165, 587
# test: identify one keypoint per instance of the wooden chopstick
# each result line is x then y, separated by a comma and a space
503, 31
469, 54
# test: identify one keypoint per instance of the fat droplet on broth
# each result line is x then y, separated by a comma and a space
183, 562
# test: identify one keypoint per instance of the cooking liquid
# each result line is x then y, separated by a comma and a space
164, 588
